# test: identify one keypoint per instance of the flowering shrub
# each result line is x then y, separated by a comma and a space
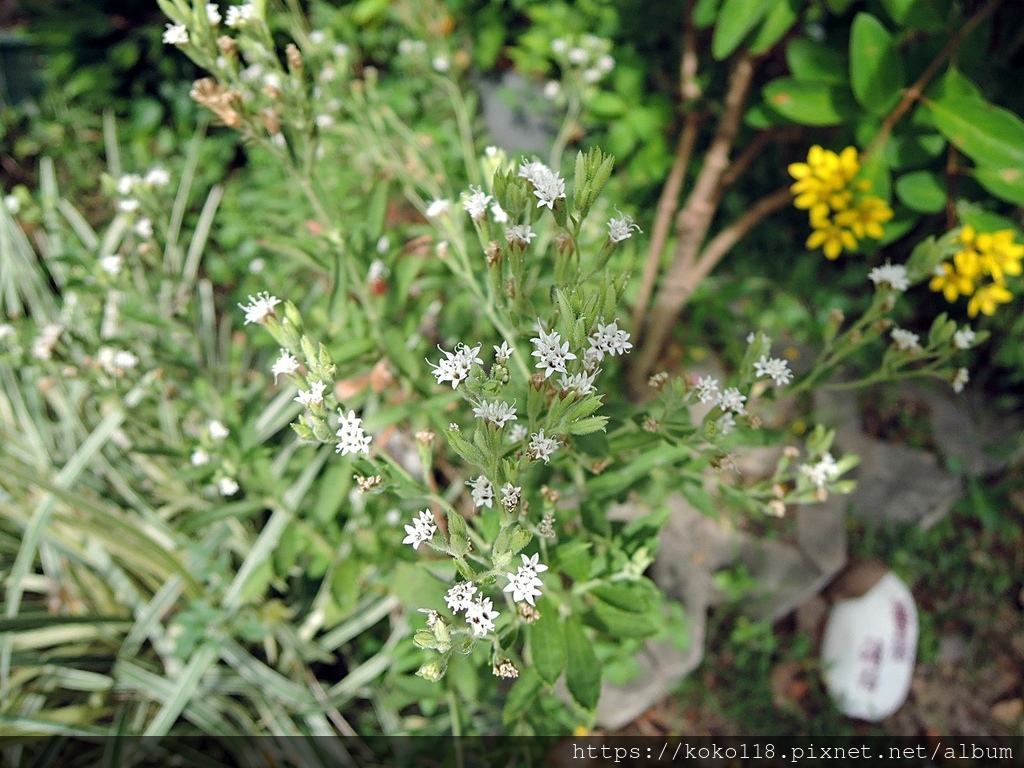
404, 446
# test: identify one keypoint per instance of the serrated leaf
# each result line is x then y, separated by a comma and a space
734, 22
809, 103
547, 642
876, 72
987, 134
921, 191
582, 669
588, 425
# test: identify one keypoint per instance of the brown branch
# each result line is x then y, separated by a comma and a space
693, 222
754, 148
915, 91
724, 241
669, 198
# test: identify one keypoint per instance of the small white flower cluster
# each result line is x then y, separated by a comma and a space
731, 401
12, 204
622, 229
176, 34
259, 307
217, 432
46, 340
548, 186
964, 338
421, 530
821, 473
775, 368
519, 234
510, 496
438, 208
541, 447
240, 15
590, 55
111, 264
496, 413
457, 365
551, 351
608, 340
475, 203
482, 491
314, 396
580, 383
480, 613
116, 362
285, 365
960, 379
904, 339
894, 275
351, 436
524, 584
213, 14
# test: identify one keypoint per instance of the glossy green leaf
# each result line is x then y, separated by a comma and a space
1005, 183
987, 134
704, 13
735, 21
876, 72
582, 670
921, 191
815, 62
809, 103
779, 20
927, 15
547, 642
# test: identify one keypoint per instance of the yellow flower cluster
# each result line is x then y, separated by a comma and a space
987, 254
841, 212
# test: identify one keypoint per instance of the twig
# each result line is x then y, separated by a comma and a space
755, 147
915, 91
693, 222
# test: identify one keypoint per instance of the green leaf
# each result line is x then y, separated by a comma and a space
777, 23
588, 425
927, 15
815, 62
582, 669
617, 623
987, 134
632, 596
458, 533
607, 105
809, 103
876, 72
1005, 183
547, 642
921, 191
735, 21
704, 13
874, 169
913, 151
574, 559
522, 696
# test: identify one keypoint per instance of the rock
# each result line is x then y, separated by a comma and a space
1008, 712
517, 115
869, 650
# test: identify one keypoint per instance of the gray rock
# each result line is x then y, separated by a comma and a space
517, 116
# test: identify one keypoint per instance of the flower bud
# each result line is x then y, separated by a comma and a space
431, 671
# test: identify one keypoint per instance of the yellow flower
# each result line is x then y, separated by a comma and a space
999, 255
868, 217
952, 284
987, 298
831, 237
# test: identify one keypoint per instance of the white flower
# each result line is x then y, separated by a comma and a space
510, 495
257, 265
904, 339
227, 486
551, 89
421, 530
323, 121
578, 56
176, 34
520, 233
821, 473
240, 14
592, 358
497, 413
351, 437
707, 389
517, 433
157, 177
605, 64
620, 229
378, 270
12, 204
111, 264
127, 182
383, 245
893, 274
116, 361
285, 365
475, 203
438, 208
498, 214
592, 75
440, 64
559, 45
259, 308
199, 458
128, 205
482, 491
6, 331
581, 383
541, 447
551, 351
143, 228
523, 586
732, 400
533, 564
502, 353
315, 395
460, 597
609, 340
340, 51
457, 365
480, 616
212, 14
774, 367
49, 335
548, 187
964, 338
725, 424
217, 430
960, 379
